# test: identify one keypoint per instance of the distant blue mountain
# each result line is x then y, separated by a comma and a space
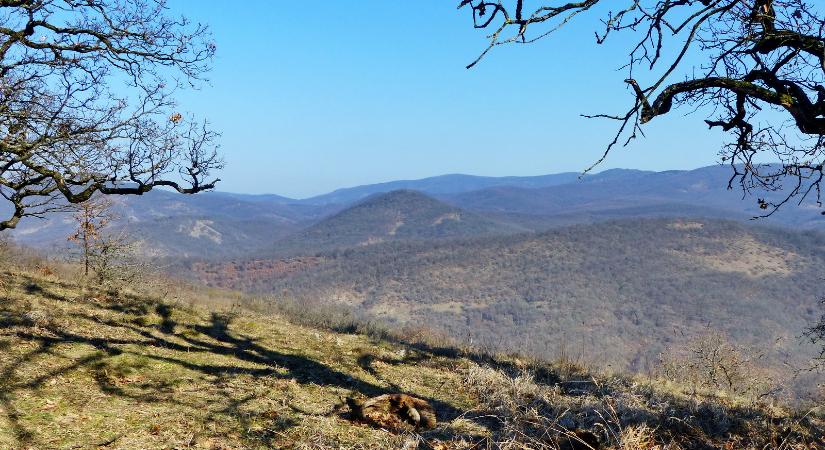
444, 184
619, 194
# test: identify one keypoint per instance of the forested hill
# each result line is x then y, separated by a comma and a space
618, 292
397, 215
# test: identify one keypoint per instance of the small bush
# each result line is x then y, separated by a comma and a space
115, 263
710, 362
816, 334
4, 248
13, 256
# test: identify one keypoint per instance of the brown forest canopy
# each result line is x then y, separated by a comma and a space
86, 104
761, 75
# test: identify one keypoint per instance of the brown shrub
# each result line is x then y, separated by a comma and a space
710, 362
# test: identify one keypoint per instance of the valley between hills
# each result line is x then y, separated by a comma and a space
574, 304
615, 269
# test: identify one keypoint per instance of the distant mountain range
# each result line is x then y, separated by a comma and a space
207, 225
626, 193
440, 185
221, 225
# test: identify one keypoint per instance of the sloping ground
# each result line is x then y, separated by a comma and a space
618, 293
87, 369
123, 372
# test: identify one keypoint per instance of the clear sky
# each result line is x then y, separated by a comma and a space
311, 96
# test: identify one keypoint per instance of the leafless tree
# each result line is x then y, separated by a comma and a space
816, 334
760, 79
86, 102
110, 254
92, 217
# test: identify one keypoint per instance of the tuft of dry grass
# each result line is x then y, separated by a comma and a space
638, 437
626, 414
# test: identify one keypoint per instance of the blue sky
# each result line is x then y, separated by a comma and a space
315, 95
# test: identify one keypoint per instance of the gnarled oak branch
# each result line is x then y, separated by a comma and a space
756, 58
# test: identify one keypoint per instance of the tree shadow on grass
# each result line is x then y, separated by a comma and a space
168, 342
118, 328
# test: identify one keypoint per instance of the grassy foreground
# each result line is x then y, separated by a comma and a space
87, 369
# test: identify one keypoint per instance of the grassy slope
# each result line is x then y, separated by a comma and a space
151, 375
88, 370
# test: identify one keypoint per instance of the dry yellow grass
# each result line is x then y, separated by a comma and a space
87, 369
746, 256
638, 437
81, 368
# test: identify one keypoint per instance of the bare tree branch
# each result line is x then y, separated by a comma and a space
86, 103
761, 57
